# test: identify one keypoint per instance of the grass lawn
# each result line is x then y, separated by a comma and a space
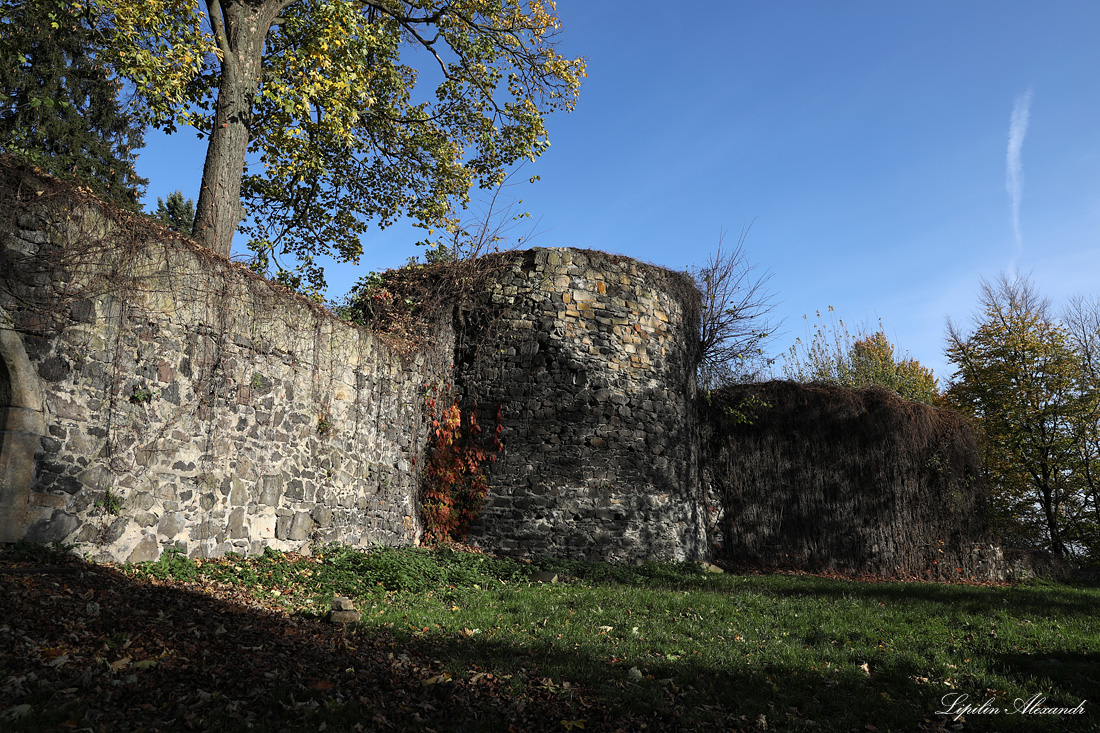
464, 641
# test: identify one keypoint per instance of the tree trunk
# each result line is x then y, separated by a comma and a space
240, 36
1050, 512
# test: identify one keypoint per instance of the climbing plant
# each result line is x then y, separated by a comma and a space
454, 480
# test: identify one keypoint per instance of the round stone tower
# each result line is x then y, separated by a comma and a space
592, 359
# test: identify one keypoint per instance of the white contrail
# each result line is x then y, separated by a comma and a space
1014, 167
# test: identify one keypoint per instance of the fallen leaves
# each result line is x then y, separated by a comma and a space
437, 679
108, 651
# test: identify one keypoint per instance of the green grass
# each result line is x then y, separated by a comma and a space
804, 652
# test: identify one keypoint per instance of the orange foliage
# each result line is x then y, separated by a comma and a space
454, 480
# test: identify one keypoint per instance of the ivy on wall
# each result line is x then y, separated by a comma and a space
454, 480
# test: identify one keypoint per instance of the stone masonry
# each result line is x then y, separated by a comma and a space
591, 358
189, 403
155, 396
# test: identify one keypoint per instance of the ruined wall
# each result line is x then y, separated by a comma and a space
153, 396
592, 359
187, 402
817, 477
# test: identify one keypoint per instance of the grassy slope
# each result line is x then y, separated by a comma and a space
681, 648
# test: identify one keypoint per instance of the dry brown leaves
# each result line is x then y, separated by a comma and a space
85, 647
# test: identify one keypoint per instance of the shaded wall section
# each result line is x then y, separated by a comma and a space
22, 423
591, 358
818, 477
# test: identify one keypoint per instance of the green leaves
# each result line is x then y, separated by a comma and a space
163, 48
834, 355
320, 94
1026, 383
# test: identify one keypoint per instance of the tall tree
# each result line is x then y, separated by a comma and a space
58, 101
1018, 375
834, 355
318, 96
1082, 324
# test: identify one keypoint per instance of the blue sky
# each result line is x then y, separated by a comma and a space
887, 155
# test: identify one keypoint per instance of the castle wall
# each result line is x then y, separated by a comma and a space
591, 359
192, 404
817, 477
155, 396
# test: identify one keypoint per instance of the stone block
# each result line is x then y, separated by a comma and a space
141, 501
147, 550
342, 603
271, 489
238, 494
53, 501
171, 524
56, 528
322, 515
237, 529
263, 524
300, 527
145, 519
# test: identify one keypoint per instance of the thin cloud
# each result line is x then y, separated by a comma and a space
1014, 167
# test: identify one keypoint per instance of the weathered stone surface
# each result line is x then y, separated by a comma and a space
193, 389
170, 525
147, 550
56, 528
263, 524
344, 617
322, 515
271, 490
146, 519
596, 418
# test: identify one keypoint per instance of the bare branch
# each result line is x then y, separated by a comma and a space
733, 324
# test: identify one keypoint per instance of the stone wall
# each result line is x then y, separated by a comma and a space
186, 402
591, 358
817, 477
155, 396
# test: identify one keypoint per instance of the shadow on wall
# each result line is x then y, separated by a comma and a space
853, 481
21, 427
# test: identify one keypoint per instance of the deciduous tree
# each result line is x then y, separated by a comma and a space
314, 116
1082, 324
1020, 376
834, 355
734, 324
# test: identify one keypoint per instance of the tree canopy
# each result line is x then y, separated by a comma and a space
177, 213
1030, 382
58, 100
314, 115
834, 355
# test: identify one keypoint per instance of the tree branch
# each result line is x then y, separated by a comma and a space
215, 13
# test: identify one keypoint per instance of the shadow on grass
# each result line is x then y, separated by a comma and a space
1078, 671
1040, 599
1037, 600
90, 647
